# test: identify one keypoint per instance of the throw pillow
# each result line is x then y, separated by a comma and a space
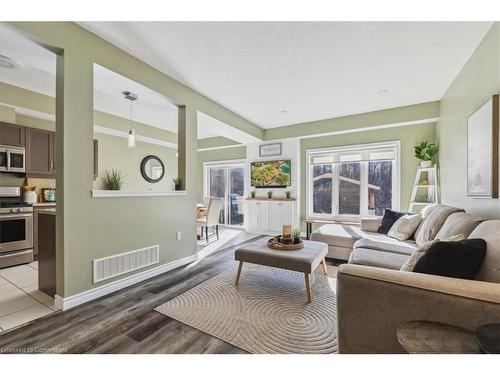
417, 254
409, 265
388, 220
404, 227
460, 259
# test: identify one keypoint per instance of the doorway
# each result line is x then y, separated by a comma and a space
227, 181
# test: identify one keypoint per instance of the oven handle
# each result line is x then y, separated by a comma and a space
14, 216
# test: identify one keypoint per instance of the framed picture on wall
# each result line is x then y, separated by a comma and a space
482, 150
270, 149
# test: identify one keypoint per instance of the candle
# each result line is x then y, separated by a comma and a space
287, 231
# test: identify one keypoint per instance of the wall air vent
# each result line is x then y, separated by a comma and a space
119, 264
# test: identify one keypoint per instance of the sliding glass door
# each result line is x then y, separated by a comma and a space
227, 181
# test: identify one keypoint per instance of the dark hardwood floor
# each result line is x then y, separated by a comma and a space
124, 322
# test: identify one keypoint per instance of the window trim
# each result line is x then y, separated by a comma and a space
396, 178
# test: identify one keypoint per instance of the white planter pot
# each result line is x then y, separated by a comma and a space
426, 163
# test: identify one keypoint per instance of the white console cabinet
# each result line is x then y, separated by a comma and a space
269, 216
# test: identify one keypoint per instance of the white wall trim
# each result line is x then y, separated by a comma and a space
137, 193
65, 303
221, 147
363, 129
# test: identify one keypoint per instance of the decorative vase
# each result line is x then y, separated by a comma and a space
425, 163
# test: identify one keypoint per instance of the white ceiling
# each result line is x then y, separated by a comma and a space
35, 70
279, 73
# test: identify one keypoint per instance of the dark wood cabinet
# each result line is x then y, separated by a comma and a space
40, 153
47, 251
12, 135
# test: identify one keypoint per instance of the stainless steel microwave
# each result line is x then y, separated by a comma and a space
12, 159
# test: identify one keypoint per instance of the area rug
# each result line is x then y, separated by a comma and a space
266, 313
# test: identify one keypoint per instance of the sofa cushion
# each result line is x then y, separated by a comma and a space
460, 259
388, 220
490, 232
388, 244
404, 227
432, 221
338, 235
377, 258
458, 223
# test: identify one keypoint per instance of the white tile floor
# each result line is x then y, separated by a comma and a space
20, 299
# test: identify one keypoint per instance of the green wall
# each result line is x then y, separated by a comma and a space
89, 228
115, 154
222, 154
408, 135
475, 84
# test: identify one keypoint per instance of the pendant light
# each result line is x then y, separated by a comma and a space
131, 138
131, 133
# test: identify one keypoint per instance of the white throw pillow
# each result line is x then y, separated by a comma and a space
405, 226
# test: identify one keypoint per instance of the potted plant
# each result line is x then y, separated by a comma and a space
112, 180
252, 194
288, 194
425, 152
269, 194
296, 235
177, 183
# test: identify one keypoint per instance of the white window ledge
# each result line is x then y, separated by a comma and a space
136, 193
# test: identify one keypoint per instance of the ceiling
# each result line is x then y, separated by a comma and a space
34, 69
280, 73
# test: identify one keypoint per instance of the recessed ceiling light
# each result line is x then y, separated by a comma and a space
383, 91
6, 62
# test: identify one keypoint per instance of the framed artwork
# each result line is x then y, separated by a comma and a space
270, 149
482, 150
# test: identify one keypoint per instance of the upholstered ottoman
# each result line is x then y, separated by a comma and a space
304, 260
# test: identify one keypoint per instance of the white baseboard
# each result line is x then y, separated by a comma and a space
65, 303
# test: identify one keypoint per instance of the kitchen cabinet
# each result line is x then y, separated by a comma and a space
269, 216
47, 251
37, 207
12, 135
40, 153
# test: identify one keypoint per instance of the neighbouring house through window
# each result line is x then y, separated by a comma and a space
352, 181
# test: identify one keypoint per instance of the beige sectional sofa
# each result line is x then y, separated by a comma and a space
374, 297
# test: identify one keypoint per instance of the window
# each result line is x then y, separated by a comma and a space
353, 181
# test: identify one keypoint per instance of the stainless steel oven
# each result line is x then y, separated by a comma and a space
12, 159
16, 231
16, 228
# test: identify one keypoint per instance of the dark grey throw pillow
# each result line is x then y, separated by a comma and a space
459, 259
390, 217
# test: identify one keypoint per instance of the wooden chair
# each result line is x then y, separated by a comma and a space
211, 219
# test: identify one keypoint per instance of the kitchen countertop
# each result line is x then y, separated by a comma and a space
46, 211
44, 204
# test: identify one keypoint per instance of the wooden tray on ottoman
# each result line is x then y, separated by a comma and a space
274, 243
